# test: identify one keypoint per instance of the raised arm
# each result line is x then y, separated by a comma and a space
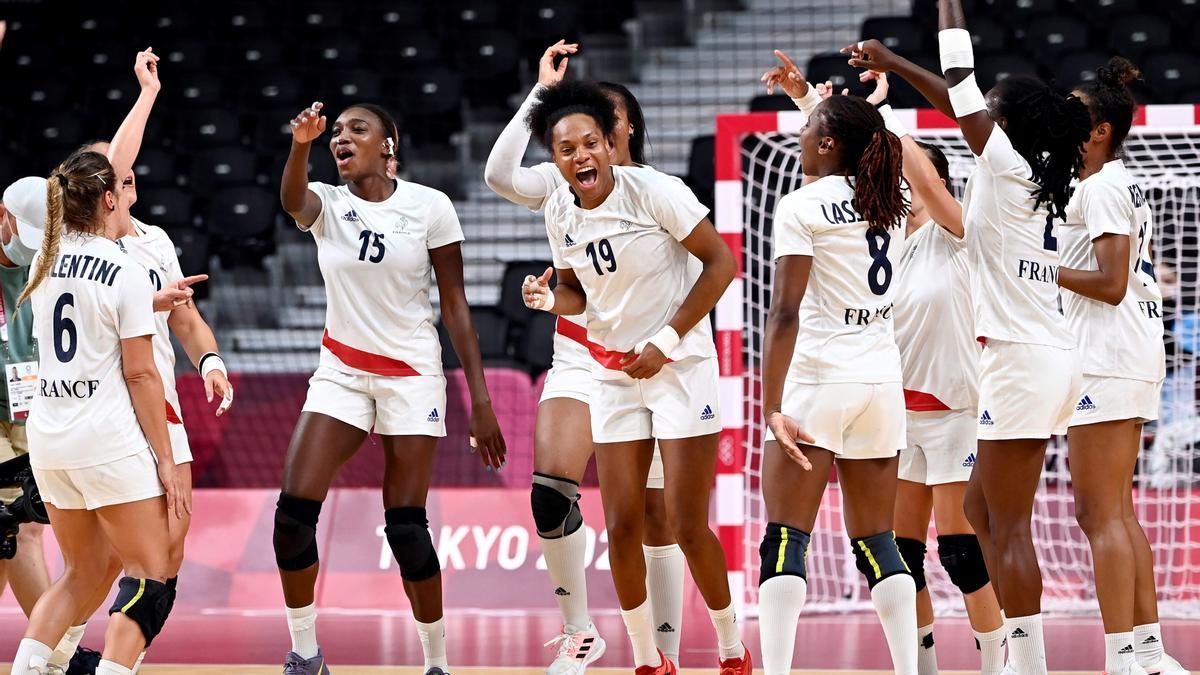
958, 63
301, 203
873, 55
503, 172
127, 142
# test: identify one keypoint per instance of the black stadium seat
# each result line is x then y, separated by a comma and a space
1018, 13
198, 90
155, 167
271, 87
488, 60
206, 128
1049, 36
187, 55
991, 69
414, 49
260, 51
223, 166
834, 68
361, 84
241, 212
536, 346
1135, 34
1078, 67
492, 328
701, 175
431, 98
901, 34
511, 304
1102, 12
334, 50
466, 15
165, 207
771, 103
926, 12
191, 245
1169, 73
988, 36
541, 22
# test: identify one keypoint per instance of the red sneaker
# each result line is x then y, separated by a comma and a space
665, 667
739, 666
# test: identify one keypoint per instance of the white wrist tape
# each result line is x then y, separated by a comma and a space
666, 339
547, 302
210, 362
955, 48
892, 122
809, 102
965, 97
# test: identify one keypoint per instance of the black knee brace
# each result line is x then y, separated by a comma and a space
782, 552
296, 532
913, 553
555, 503
878, 557
963, 559
408, 535
147, 602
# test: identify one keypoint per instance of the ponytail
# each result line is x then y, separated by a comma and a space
51, 236
878, 174
1109, 100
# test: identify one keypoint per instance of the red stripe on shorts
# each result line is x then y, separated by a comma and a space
366, 361
919, 401
607, 358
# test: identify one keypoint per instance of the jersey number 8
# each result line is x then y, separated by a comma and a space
877, 245
66, 338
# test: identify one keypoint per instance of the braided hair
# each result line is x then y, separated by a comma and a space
1048, 130
1108, 98
872, 154
571, 97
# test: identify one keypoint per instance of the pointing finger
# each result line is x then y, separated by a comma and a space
786, 60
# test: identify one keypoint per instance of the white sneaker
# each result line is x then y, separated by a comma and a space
1135, 669
1166, 666
577, 649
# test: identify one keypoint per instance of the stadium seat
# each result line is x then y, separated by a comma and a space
246, 16
270, 87
489, 61
901, 34
334, 50
317, 17
187, 55
771, 103
414, 49
1169, 73
1135, 34
926, 11
1101, 12
1077, 67
430, 101
701, 175
191, 245
542, 22
155, 167
991, 69
49, 94
107, 53
241, 212
833, 68
988, 36
261, 51
112, 90
511, 303
387, 17
1189, 96
465, 15
1018, 13
61, 129
198, 90
165, 207
362, 84
536, 347
206, 128
217, 167
321, 167
492, 329
1049, 36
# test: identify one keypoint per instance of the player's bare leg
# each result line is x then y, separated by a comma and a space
914, 509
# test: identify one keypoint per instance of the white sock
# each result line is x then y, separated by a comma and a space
107, 667
639, 623
137, 665
1118, 653
926, 652
1026, 646
895, 600
991, 650
30, 654
1148, 644
302, 623
565, 562
780, 601
433, 643
729, 638
664, 585
67, 646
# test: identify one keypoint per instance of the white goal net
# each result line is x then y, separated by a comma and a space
1167, 485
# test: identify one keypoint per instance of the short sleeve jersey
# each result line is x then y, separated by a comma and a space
94, 296
935, 322
374, 258
154, 250
1014, 252
1125, 340
846, 332
628, 257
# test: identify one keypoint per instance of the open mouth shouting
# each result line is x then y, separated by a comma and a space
343, 154
587, 176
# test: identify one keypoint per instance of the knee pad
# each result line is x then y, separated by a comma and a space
408, 534
296, 532
963, 559
555, 503
146, 601
782, 552
878, 557
913, 554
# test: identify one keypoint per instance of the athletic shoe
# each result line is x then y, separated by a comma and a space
295, 664
577, 649
742, 665
1135, 669
664, 667
83, 662
1166, 666
436, 671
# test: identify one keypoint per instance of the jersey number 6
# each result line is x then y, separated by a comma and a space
66, 338
877, 245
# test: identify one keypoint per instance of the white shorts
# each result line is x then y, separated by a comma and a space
570, 374
1107, 399
181, 450
1026, 391
941, 447
849, 419
121, 481
392, 406
679, 402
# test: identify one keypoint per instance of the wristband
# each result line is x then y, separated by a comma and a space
809, 102
965, 97
666, 339
892, 122
547, 302
210, 362
955, 48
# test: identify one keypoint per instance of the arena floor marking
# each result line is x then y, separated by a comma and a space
384, 670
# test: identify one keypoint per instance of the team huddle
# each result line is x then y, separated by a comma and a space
928, 349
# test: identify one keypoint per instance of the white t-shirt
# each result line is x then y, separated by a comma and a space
1125, 340
935, 323
1014, 255
155, 251
627, 255
374, 258
846, 330
94, 296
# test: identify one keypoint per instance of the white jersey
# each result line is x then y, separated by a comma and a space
1014, 254
846, 330
374, 258
627, 256
935, 322
153, 248
94, 296
1125, 340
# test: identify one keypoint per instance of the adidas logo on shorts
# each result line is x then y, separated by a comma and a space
707, 413
350, 216
568, 241
969, 462
433, 416
1085, 403
986, 419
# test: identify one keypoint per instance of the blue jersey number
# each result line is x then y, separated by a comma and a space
1143, 262
373, 241
156, 280
1049, 241
605, 254
66, 338
878, 242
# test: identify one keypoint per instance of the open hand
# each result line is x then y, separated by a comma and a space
787, 432
309, 124
535, 291
217, 384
